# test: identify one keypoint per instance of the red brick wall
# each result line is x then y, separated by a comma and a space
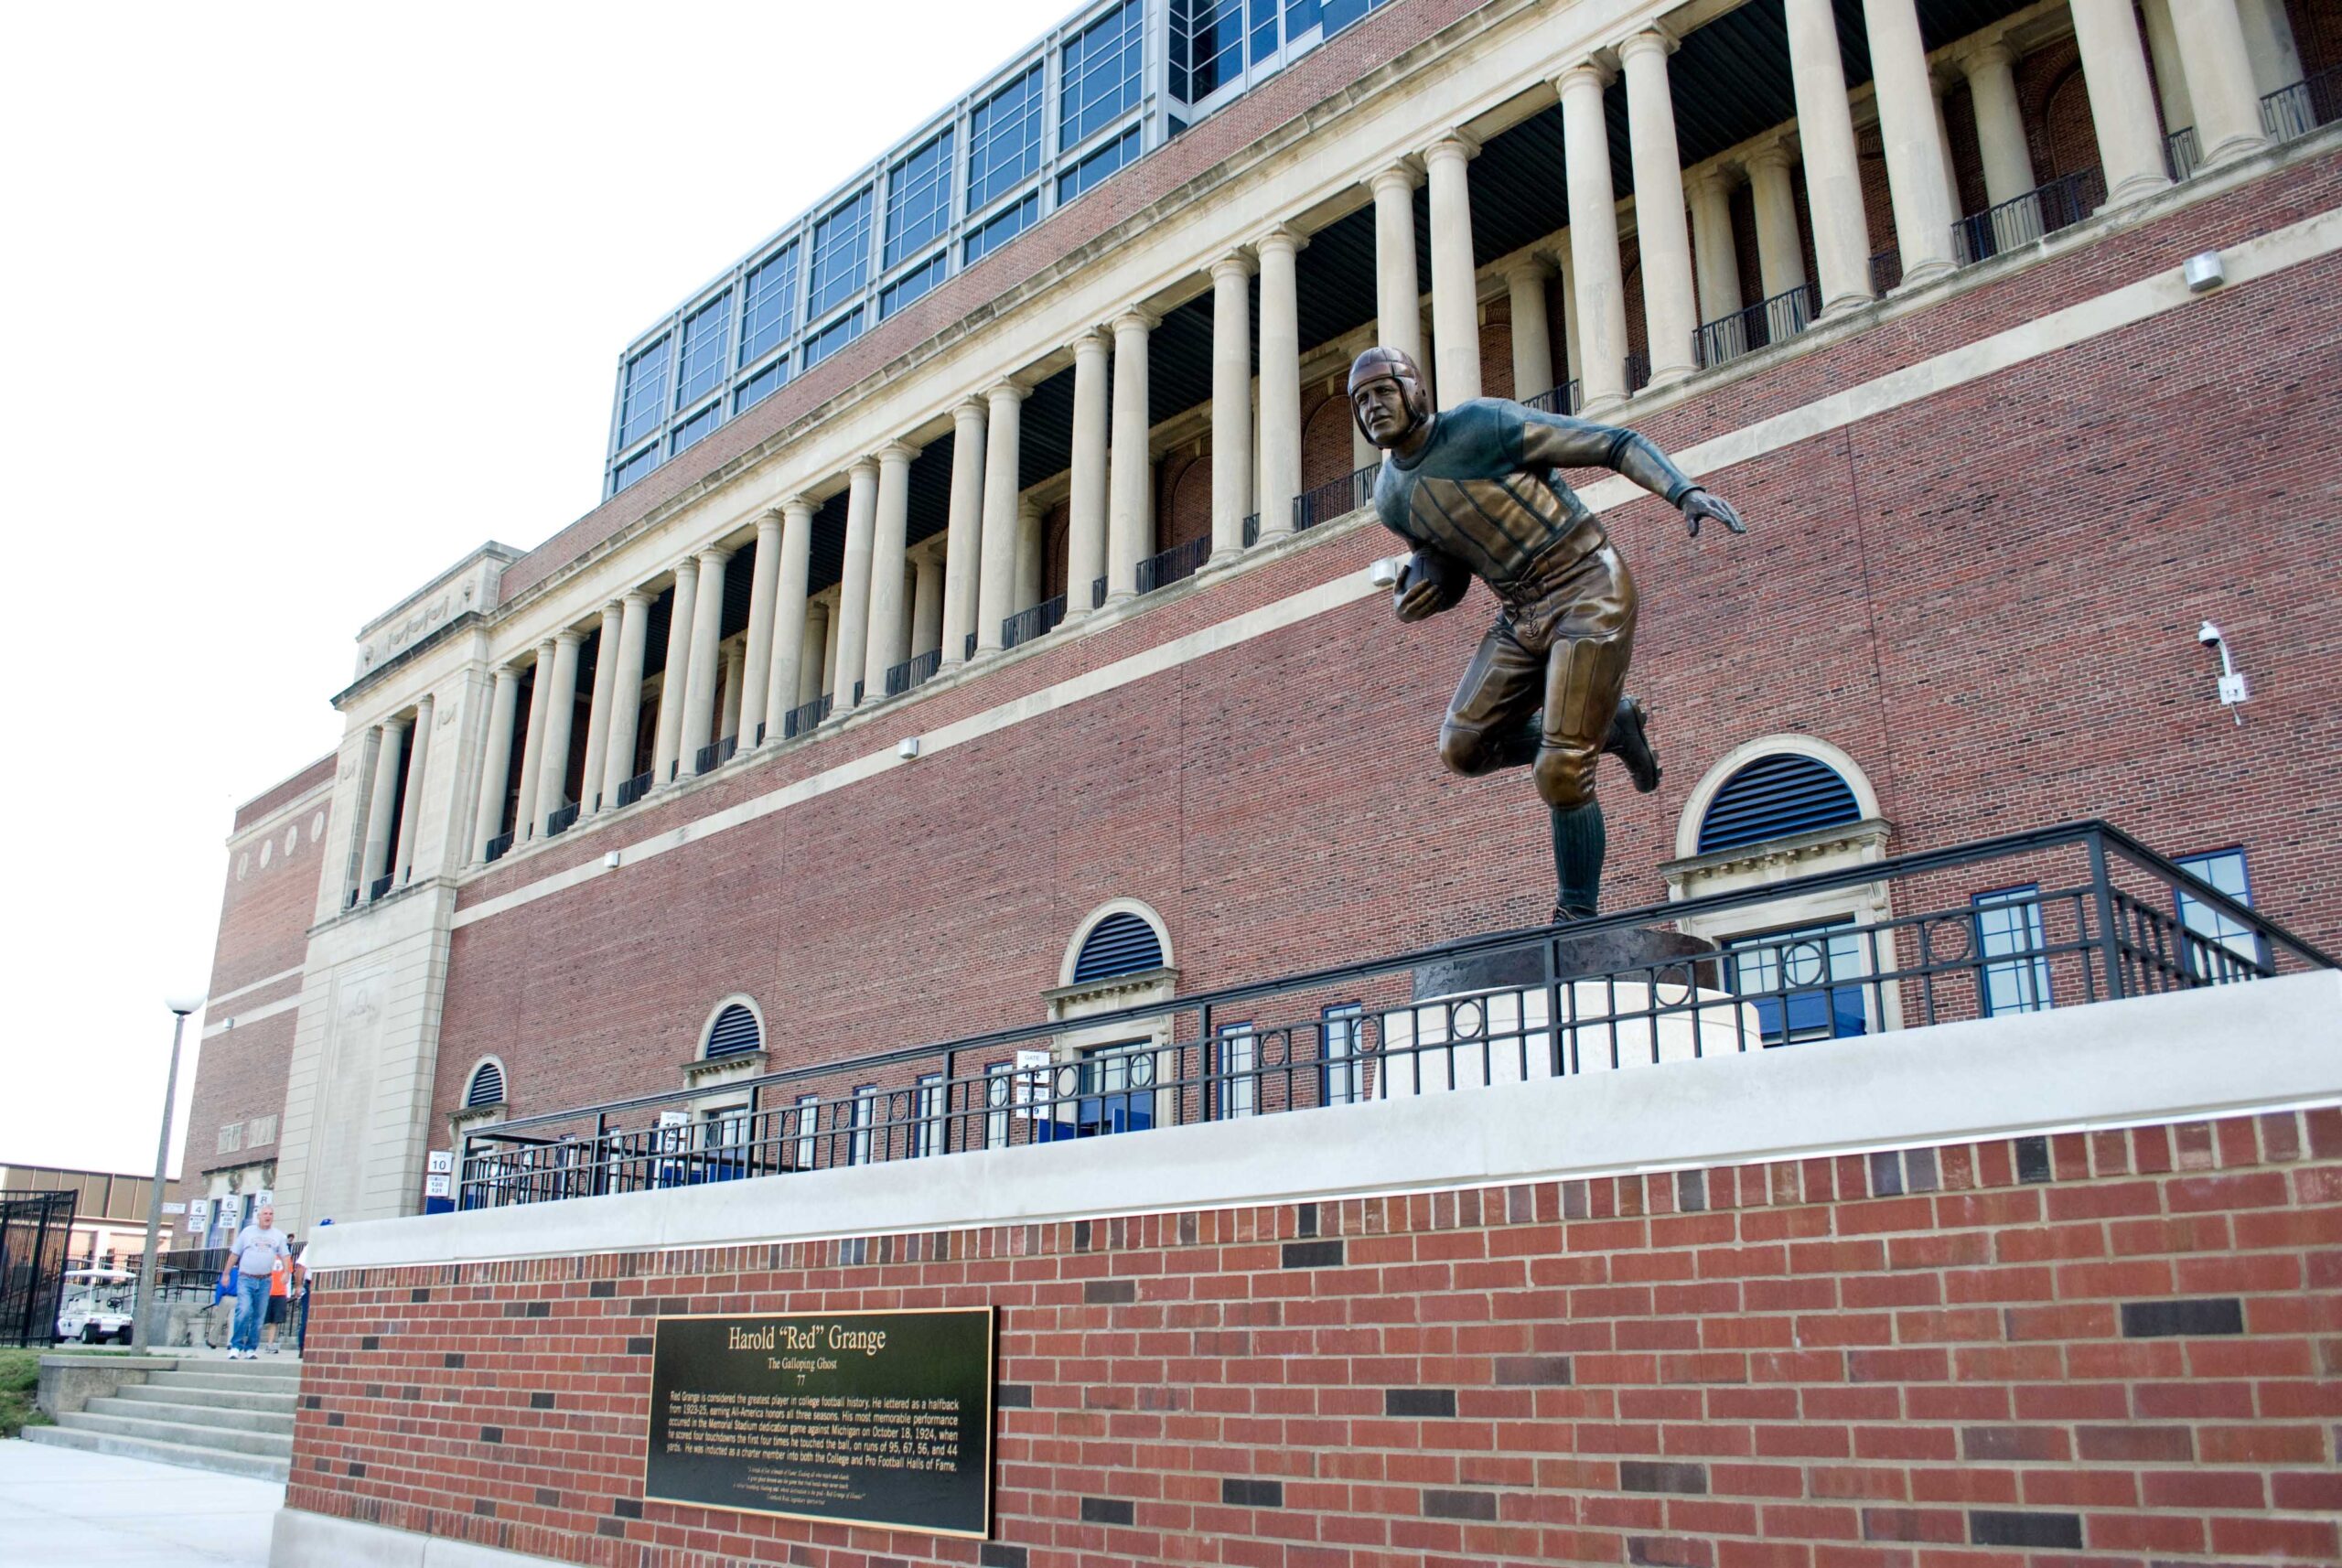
2122, 1348
1988, 598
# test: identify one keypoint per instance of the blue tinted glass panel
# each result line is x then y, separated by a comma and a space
840, 253
1101, 74
1789, 978
919, 198
705, 333
997, 231
760, 386
644, 407
1264, 29
769, 305
1207, 45
910, 286
1097, 165
832, 338
633, 469
1004, 139
2008, 928
695, 429
2225, 870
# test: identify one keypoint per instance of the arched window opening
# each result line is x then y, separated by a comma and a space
1122, 943
487, 1087
1776, 796
733, 1033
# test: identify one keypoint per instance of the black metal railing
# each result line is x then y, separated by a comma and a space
970, 651
715, 753
2180, 153
2297, 111
502, 843
805, 715
635, 789
1638, 370
1767, 322
379, 887
35, 1234
2064, 917
912, 671
1252, 531
1563, 399
1027, 624
2060, 204
1335, 497
1885, 270
1098, 593
562, 820
1169, 566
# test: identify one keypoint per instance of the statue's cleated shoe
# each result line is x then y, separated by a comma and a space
1566, 914
1629, 742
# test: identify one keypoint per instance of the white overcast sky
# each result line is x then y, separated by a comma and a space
301, 304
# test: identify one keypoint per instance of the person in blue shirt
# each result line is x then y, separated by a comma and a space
1477, 491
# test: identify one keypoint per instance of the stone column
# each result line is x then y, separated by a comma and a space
532, 748
2170, 76
1594, 240
1532, 338
1780, 257
1715, 252
2121, 100
784, 688
1670, 312
1280, 477
383, 806
1232, 404
496, 761
2219, 78
1130, 524
561, 718
763, 588
1028, 555
926, 604
671, 682
886, 608
1916, 180
2276, 57
1085, 542
830, 665
1003, 457
707, 633
963, 531
815, 679
1942, 82
731, 705
597, 715
852, 622
1825, 131
1455, 290
1397, 293
626, 695
1566, 265
417, 753
2000, 127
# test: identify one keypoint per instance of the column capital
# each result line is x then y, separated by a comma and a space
545, 646
1530, 266
769, 520
613, 609
714, 555
1404, 175
862, 466
1284, 237
636, 598
1095, 341
1643, 40
1777, 154
1715, 177
687, 567
1986, 54
1006, 393
1592, 69
799, 507
1137, 318
1027, 506
898, 452
1236, 263
1460, 145
568, 637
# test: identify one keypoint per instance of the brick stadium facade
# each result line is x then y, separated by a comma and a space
1989, 512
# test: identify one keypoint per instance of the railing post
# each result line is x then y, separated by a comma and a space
951, 1077
2110, 943
1553, 1002
1204, 1098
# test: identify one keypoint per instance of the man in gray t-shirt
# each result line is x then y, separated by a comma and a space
257, 1247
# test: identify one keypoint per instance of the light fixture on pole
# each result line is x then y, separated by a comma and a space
142, 1322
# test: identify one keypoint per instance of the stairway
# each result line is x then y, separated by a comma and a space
233, 1417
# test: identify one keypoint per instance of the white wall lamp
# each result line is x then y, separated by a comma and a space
907, 747
2234, 690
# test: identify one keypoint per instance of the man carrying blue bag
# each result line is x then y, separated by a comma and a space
257, 1247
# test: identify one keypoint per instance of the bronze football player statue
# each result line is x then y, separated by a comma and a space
1477, 491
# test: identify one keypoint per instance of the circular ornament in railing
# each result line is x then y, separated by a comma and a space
1141, 1070
1946, 939
1068, 1081
1467, 1020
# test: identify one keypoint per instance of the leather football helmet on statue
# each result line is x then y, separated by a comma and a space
1395, 364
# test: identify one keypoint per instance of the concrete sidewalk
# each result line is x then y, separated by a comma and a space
63, 1508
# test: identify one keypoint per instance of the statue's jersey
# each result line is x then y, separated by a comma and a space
1488, 487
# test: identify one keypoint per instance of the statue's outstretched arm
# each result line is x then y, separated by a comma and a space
1558, 441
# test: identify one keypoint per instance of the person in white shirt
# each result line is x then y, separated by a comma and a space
257, 1248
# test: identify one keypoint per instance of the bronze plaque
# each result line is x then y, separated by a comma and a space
880, 1418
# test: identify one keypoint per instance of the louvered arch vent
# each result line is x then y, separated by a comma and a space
487, 1086
1122, 943
1775, 797
734, 1034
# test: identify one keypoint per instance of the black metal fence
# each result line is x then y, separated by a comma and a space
635, 789
1027, 624
806, 716
1169, 566
1563, 399
2297, 111
36, 1230
1767, 322
2180, 153
914, 671
562, 820
1335, 498
2022, 220
2061, 918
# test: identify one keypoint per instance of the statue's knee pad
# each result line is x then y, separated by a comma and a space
1464, 751
1564, 777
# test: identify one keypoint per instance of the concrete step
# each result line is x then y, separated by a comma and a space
224, 1382
287, 1368
223, 1418
225, 1462
203, 1393
198, 1435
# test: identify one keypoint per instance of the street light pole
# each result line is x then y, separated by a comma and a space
142, 1323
